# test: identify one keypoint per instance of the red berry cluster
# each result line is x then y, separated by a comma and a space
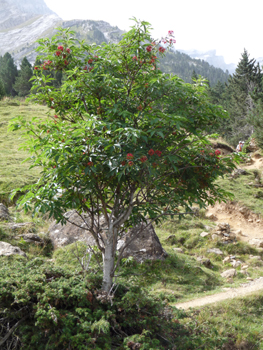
149, 48
143, 159
130, 156
151, 152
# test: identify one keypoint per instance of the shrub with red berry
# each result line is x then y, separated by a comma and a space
143, 129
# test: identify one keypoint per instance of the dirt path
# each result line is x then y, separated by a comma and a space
230, 293
251, 227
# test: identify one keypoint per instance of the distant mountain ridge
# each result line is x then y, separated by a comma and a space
22, 22
16, 12
212, 58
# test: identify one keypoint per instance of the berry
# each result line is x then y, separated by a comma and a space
151, 152
130, 156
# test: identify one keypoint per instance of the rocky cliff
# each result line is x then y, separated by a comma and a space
23, 22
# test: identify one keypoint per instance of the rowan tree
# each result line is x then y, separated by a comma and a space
124, 142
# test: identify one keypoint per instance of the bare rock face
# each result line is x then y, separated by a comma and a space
4, 213
7, 250
145, 245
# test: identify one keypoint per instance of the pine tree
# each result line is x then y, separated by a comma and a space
244, 89
194, 76
22, 83
8, 73
2, 89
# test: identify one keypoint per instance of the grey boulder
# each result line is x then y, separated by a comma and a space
8, 249
145, 243
4, 213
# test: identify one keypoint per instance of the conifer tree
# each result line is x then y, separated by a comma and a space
22, 83
244, 89
2, 89
8, 73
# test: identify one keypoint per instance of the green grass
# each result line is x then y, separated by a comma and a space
238, 320
245, 194
14, 173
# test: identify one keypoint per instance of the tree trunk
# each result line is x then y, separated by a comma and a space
108, 261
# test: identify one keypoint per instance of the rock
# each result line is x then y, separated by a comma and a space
244, 272
204, 234
215, 251
239, 233
257, 242
244, 211
230, 280
244, 267
62, 235
195, 211
4, 213
250, 220
7, 250
229, 273
249, 278
31, 238
223, 227
178, 250
214, 237
236, 263
252, 146
232, 235
227, 259
239, 172
16, 227
211, 217
145, 246
208, 228
256, 257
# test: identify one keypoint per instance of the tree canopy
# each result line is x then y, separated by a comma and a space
124, 142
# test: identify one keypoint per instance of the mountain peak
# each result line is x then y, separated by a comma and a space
35, 7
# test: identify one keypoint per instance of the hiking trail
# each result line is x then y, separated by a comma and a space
252, 227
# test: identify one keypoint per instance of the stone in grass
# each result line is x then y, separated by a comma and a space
236, 263
257, 242
31, 238
8, 249
204, 234
256, 257
229, 273
215, 237
178, 250
215, 251
4, 213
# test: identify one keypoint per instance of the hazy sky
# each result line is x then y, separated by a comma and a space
228, 26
